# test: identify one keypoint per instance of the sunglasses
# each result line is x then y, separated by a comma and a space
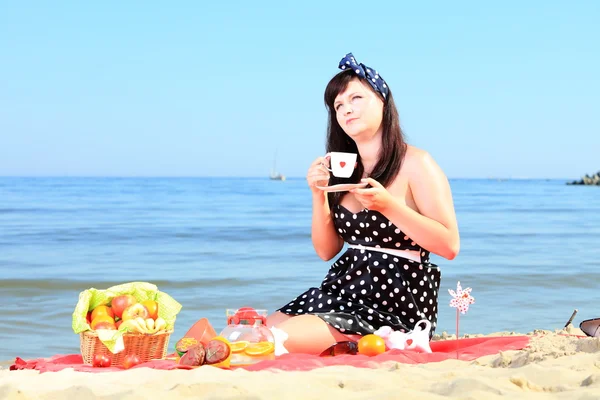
591, 327
340, 348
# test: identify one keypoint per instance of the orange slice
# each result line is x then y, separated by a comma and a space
237, 347
260, 349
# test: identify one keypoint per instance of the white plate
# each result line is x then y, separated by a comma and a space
343, 187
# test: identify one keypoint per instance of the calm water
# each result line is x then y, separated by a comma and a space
530, 251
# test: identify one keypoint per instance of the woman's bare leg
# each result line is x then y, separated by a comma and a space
277, 318
310, 334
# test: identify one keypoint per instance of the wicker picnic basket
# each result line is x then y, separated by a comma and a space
146, 347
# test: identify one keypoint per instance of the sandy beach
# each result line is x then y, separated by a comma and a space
554, 365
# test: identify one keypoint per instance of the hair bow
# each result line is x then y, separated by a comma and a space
371, 75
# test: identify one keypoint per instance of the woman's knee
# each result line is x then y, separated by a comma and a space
309, 334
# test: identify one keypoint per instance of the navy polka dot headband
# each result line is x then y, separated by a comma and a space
371, 75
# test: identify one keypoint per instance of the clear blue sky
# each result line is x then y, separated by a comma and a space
134, 88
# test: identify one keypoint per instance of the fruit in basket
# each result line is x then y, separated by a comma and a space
160, 324
131, 360
106, 325
194, 356
121, 303
150, 324
101, 361
152, 307
135, 311
102, 310
218, 352
155, 326
103, 322
141, 325
133, 326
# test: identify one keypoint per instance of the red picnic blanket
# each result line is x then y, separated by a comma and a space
463, 349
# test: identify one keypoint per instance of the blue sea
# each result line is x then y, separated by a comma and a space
530, 250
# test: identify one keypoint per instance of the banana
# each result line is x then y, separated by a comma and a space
150, 325
160, 324
142, 323
127, 326
132, 325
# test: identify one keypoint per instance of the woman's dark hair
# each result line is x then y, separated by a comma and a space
393, 145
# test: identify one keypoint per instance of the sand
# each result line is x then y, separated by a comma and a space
553, 366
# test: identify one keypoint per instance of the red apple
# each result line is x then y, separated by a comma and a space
120, 303
131, 360
118, 323
101, 360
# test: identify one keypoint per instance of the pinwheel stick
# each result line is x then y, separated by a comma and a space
457, 319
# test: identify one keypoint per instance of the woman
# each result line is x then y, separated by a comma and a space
385, 276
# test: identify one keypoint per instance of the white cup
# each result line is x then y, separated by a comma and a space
342, 164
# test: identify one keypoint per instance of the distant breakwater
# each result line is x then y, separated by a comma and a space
593, 180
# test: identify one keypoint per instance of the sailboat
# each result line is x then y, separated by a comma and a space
276, 176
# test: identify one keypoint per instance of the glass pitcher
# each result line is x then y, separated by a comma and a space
251, 340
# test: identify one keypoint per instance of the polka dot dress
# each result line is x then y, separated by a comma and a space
366, 289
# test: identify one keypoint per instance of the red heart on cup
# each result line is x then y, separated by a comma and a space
342, 164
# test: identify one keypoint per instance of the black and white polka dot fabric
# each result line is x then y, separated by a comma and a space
366, 288
370, 74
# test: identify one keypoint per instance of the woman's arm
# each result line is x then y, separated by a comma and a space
325, 239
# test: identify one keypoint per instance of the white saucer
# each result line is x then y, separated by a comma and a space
343, 187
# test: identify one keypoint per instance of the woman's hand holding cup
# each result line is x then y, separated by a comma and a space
318, 174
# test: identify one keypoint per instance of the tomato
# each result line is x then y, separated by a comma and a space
101, 361
152, 308
131, 360
371, 345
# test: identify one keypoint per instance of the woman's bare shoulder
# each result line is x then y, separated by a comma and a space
416, 158
419, 163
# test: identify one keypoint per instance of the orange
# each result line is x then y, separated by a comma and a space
371, 345
102, 320
237, 347
260, 348
102, 310
152, 307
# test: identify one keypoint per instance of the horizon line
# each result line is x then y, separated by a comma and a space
255, 177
